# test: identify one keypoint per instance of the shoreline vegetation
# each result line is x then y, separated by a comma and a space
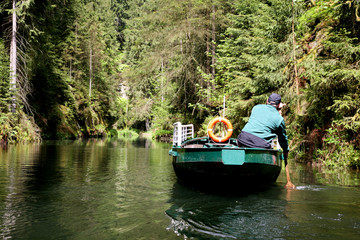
84, 69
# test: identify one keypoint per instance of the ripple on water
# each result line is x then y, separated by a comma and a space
96, 191
311, 188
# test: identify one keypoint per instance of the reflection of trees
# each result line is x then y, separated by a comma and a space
10, 212
12, 178
316, 174
80, 188
337, 176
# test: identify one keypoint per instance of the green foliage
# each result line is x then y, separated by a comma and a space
113, 133
75, 42
18, 127
319, 15
329, 65
166, 46
161, 117
337, 153
119, 113
348, 111
14, 127
178, 59
128, 133
204, 127
253, 54
4, 79
162, 133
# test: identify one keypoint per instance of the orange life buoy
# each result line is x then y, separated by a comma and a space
228, 132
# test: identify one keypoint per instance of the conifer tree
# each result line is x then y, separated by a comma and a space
16, 33
172, 40
252, 56
4, 79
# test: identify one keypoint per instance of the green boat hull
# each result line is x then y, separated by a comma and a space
225, 165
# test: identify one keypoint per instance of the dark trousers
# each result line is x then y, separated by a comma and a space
249, 140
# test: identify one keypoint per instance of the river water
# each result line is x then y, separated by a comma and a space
102, 189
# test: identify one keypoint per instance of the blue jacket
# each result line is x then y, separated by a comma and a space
266, 122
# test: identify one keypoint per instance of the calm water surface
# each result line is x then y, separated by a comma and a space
128, 190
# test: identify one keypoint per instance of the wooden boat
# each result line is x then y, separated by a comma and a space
204, 162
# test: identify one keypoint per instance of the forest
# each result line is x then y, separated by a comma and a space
88, 68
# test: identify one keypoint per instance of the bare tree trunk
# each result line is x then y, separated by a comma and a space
76, 47
13, 58
162, 81
147, 125
208, 39
90, 72
297, 80
70, 69
294, 50
208, 70
181, 46
213, 43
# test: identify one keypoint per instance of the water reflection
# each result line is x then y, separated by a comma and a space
204, 216
81, 189
128, 190
315, 174
324, 212
309, 212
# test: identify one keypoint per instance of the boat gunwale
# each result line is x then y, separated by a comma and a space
219, 146
222, 148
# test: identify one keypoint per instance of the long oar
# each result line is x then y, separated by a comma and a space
289, 184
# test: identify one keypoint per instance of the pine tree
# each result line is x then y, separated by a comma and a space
252, 56
169, 45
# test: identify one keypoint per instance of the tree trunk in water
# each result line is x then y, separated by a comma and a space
13, 59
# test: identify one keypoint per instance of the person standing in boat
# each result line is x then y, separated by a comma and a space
265, 123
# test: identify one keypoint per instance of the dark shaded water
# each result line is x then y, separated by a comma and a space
128, 190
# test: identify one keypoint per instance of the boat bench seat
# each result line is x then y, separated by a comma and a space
194, 146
